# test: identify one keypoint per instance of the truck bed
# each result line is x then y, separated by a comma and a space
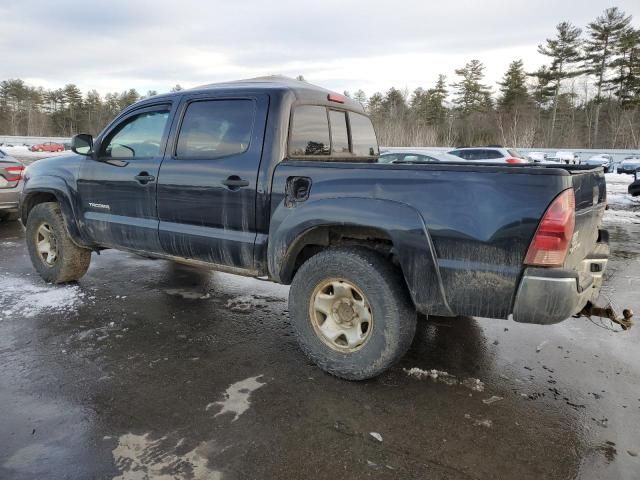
477, 221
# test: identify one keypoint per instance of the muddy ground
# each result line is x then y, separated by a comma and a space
147, 368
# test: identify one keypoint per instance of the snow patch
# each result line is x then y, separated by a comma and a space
236, 397
246, 303
621, 217
441, 376
138, 457
186, 294
19, 296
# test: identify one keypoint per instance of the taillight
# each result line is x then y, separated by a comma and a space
515, 160
15, 173
551, 242
334, 97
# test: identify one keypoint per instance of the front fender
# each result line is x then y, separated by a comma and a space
400, 222
38, 188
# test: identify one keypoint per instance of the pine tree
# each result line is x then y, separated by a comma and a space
542, 91
394, 104
436, 97
564, 51
513, 87
600, 49
626, 82
471, 94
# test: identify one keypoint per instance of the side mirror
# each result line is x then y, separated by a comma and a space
82, 144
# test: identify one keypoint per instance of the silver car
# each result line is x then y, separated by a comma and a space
489, 154
603, 160
416, 156
11, 172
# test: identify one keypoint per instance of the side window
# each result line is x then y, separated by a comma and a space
216, 128
492, 154
309, 131
363, 137
139, 136
339, 133
388, 158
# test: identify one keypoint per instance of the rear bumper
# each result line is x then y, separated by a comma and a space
550, 295
10, 198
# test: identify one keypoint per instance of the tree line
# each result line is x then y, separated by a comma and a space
35, 111
586, 95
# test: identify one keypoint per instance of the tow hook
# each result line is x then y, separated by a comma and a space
591, 310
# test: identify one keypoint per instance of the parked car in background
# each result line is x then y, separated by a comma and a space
11, 170
537, 157
603, 160
569, 158
47, 147
630, 164
489, 154
416, 156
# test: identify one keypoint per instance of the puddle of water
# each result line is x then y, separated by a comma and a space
138, 457
440, 376
236, 397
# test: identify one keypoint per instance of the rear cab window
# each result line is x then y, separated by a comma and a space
215, 128
325, 133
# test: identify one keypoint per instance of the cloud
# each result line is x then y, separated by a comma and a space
342, 45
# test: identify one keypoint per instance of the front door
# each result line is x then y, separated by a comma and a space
117, 187
207, 184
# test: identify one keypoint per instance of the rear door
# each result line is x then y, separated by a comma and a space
117, 189
207, 183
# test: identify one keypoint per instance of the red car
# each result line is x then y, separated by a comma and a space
47, 147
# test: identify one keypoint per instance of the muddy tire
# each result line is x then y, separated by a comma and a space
53, 254
351, 312
9, 216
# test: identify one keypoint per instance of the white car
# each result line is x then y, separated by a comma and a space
566, 157
489, 154
603, 160
537, 157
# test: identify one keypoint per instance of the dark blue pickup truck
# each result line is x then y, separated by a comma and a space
278, 178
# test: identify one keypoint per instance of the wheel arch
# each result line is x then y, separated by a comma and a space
393, 229
35, 196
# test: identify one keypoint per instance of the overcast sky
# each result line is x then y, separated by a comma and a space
342, 45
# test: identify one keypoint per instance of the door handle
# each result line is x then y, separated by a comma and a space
234, 182
143, 178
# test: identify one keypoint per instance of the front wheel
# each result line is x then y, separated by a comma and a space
352, 312
53, 254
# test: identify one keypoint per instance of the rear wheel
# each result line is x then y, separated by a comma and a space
53, 254
352, 313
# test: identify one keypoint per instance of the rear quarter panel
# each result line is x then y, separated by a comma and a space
461, 231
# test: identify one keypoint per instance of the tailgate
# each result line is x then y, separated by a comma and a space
591, 197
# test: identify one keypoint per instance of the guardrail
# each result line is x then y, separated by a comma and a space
27, 140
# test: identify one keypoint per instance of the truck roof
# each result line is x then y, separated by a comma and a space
304, 92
